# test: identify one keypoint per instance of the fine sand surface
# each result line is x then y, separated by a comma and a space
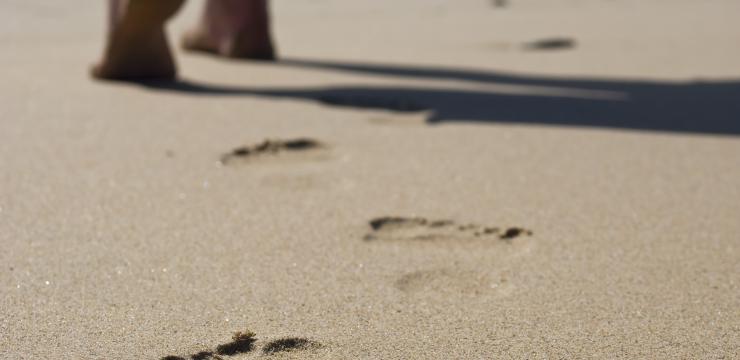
550, 179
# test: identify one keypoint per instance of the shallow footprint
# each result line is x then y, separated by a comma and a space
450, 282
293, 182
292, 149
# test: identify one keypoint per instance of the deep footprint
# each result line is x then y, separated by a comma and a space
205, 355
417, 228
242, 342
271, 147
289, 344
514, 232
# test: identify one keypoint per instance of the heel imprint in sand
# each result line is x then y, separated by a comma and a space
243, 342
416, 228
289, 344
273, 148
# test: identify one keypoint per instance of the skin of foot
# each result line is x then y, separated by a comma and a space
235, 29
137, 46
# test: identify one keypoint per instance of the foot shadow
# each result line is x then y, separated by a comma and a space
703, 107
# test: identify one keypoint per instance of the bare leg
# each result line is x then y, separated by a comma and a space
234, 28
137, 45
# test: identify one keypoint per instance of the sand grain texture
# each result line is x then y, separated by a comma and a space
124, 237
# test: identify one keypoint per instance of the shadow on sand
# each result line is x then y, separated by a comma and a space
708, 107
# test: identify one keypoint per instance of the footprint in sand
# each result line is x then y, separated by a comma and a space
447, 281
244, 342
294, 182
442, 281
421, 229
289, 344
300, 149
450, 282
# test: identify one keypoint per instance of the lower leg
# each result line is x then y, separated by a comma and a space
234, 28
137, 45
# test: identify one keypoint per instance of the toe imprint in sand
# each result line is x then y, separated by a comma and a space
402, 228
296, 149
243, 342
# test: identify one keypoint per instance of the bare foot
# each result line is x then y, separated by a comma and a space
137, 45
233, 28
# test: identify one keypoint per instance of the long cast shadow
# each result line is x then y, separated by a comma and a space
707, 107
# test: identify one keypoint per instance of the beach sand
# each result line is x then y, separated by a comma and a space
603, 130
